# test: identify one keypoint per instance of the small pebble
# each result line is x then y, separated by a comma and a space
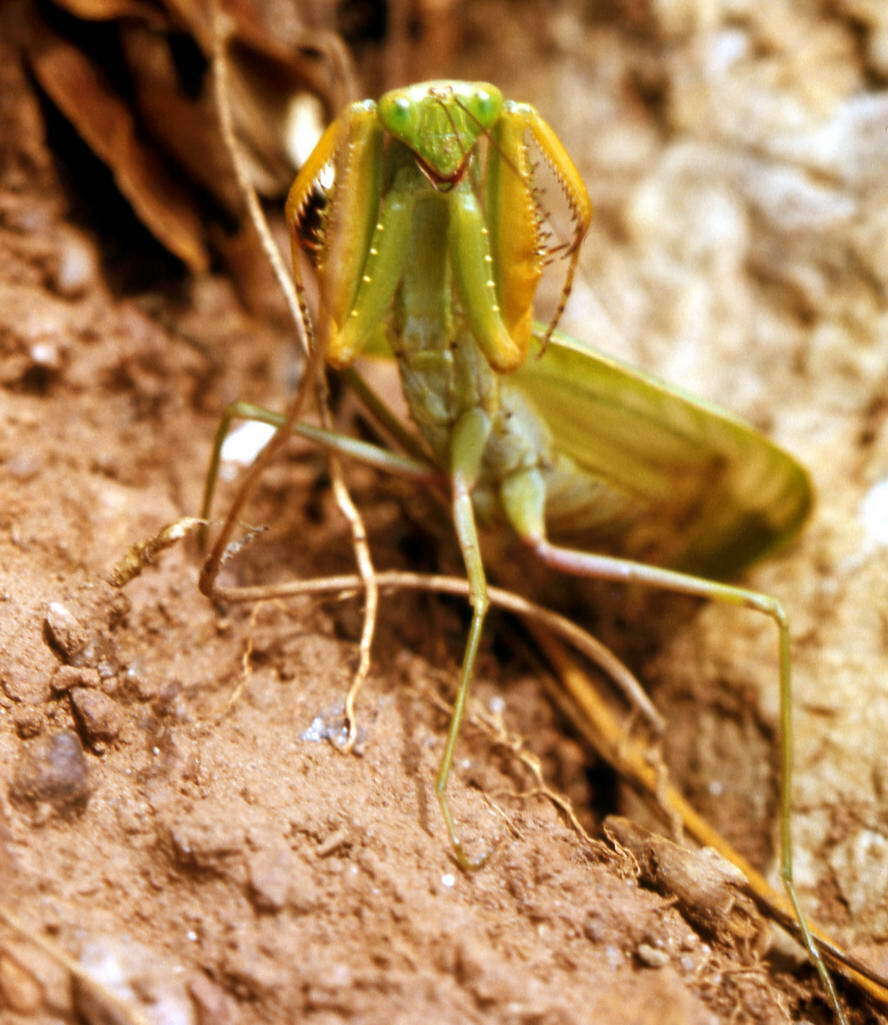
28, 721
65, 633
77, 265
140, 684
66, 678
270, 870
46, 355
204, 843
594, 928
651, 956
98, 714
53, 770
331, 843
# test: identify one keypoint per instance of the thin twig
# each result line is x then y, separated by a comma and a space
574, 635
294, 294
371, 595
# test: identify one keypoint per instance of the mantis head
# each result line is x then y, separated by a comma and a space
440, 122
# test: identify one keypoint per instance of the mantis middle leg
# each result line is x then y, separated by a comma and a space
523, 497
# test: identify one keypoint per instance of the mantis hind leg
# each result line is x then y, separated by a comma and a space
469, 437
523, 497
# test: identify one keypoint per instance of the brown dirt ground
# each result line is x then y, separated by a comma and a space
218, 865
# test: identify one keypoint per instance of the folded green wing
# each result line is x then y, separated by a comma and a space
710, 493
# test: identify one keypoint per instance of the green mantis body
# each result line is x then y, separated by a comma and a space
432, 246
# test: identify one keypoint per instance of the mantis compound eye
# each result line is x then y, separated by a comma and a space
396, 112
484, 106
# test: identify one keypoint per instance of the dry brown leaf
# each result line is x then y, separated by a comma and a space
107, 126
164, 133
107, 10
187, 127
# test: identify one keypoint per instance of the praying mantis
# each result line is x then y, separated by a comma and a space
432, 247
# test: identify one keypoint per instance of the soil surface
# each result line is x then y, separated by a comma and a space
175, 816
